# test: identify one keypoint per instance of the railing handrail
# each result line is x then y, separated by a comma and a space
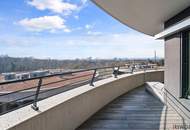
40, 78
58, 74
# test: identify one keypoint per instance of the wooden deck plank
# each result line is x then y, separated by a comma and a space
135, 110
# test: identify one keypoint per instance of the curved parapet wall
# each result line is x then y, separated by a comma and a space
66, 111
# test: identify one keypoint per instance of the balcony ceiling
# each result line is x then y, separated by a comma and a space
146, 16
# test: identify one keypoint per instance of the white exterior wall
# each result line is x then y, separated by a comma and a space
172, 65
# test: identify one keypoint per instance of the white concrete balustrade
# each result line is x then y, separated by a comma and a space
68, 110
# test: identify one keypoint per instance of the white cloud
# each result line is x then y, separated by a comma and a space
131, 45
48, 23
76, 17
84, 1
126, 45
78, 28
67, 30
94, 33
82, 5
91, 31
56, 6
89, 26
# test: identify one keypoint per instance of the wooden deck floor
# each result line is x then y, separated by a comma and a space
136, 110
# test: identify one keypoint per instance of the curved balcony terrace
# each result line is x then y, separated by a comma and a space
135, 110
70, 109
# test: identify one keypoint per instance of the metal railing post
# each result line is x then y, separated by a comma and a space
145, 69
93, 77
116, 73
132, 69
34, 105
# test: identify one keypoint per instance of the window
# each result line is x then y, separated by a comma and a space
185, 64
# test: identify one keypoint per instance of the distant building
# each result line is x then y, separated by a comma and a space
39, 73
27, 75
22, 76
9, 76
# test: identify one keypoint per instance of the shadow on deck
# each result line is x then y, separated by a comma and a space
135, 110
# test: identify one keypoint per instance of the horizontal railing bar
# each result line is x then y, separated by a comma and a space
105, 74
66, 79
52, 75
75, 83
17, 99
44, 91
44, 85
18, 91
15, 108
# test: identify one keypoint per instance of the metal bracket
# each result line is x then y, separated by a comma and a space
116, 73
34, 105
93, 77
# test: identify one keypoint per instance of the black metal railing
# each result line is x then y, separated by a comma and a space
11, 98
19, 93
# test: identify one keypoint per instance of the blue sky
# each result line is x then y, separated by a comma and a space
68, 29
